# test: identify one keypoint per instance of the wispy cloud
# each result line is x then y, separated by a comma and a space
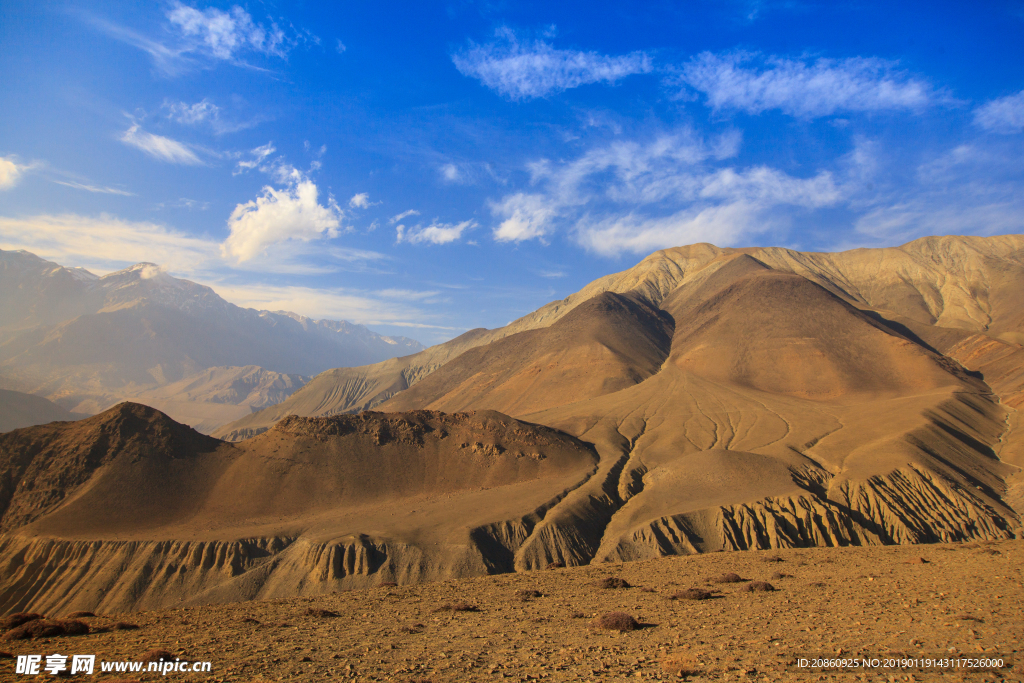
403, 216
257, 159
755, 83
106, 243
527, 69
205, 113
361, 201
1003, 115
361, 306
635, 197
160, 147
435, 233
94, 188
201, 37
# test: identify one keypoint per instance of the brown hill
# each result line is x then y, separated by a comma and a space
967, 283
153, 512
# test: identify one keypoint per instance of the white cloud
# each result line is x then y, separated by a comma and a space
359, 306
159, 147
10, 173
435, 233
224, 34
662, 192
205, 113
723, 225
202, 36
259, 155
280, 215
527, 216
106, 243
361, 201
522, 70
94, 188
451, 173
403, 216
1003, 115
805, 89
339, 47
191, 114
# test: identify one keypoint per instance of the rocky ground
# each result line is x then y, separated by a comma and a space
963, 600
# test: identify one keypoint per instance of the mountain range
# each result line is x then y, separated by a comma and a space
706, 399
87, 342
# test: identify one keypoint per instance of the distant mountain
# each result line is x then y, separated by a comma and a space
83, 340
19, 410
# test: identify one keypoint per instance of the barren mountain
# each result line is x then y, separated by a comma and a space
952, 283
86, 341
18, 409
705, 400
155, 512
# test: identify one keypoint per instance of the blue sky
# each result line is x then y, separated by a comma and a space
426, 168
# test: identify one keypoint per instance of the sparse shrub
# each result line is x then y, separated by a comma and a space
773, 558
970, 617
412, 628
37, 628
125, 626
646, 589
79, 615
321, 613
73, 627
692, 594
759, 587
528, 594
680, 665
250, 620
557, 564
388, 584
819, 584
916, 560
14, 620
616, 621
728, 577
157, 655
577, 615
457, 607
612, 582
781, 575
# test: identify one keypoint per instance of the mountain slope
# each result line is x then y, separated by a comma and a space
155, 513
967, 283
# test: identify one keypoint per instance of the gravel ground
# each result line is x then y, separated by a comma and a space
955, 600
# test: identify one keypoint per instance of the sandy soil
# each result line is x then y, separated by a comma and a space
962, 599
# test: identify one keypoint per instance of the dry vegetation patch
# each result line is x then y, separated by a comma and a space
321, 613
528, 594
457, 607
615, 621
728, 577
613, 582
43, 628
17, 619
157, 655
693, 594
759, 587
